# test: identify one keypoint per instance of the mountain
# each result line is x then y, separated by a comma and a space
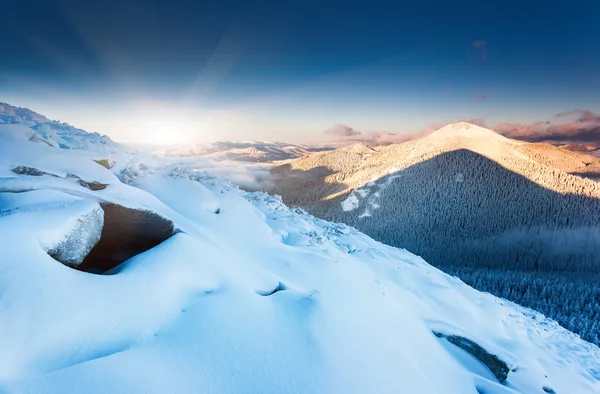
250, 151
466, 198
338, 173
160, 278
53, 132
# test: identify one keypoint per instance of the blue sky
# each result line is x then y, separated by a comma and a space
196, 71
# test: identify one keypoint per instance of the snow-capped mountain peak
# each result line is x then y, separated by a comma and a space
466, 130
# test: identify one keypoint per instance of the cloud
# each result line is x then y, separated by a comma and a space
578, 126
341, 130
345, 135
582, 115
575, 126
482, 97
248, 176
478, 50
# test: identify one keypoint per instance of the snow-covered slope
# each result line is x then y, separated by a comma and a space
246, 296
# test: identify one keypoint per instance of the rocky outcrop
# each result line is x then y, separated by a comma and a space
93, 185
106, 163
491, 361
30, 171
24, 170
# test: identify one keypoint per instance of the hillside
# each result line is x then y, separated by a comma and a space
159, 278
466, 197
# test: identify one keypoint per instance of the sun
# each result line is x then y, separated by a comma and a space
168, 128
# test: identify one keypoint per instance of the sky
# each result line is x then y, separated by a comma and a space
159, 71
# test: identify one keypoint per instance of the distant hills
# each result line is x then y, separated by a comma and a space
250, 151
589, 149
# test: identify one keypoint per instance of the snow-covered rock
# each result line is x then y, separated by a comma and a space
82, 235
66, 227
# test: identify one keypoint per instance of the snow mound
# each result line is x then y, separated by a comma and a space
249, 296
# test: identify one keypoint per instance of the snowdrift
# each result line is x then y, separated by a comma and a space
244, 295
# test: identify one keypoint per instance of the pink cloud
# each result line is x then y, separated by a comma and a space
575, 126
341, 130
347, 135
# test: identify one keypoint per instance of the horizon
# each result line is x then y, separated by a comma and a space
529, 134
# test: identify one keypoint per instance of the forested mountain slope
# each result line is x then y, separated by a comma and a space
439, 194
463, 196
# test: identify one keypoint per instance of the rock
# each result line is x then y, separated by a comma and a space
93, 185
492, 362
106, 163
24, 170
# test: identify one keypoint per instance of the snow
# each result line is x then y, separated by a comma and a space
466, 130
254, 298
64, 226
351, 202
371, 193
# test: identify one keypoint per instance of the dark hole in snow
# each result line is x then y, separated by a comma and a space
280, 287
218, 211
548, 390
492, 362
126, 233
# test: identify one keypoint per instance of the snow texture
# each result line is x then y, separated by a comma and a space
249, 296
